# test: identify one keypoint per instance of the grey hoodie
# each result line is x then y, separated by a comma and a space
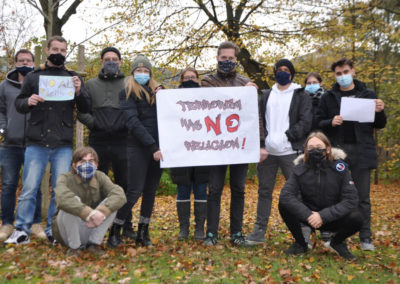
12, 121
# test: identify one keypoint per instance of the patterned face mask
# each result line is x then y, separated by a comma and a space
86, 171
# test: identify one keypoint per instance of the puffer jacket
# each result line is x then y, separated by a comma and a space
328, 189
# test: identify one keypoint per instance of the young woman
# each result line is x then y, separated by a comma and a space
189, 178
321, 194
313, 87
138, 103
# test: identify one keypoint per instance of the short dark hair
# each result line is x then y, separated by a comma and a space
56, 38
81, 152
191, 69
313, 74
23, 51
228, 45
341, 62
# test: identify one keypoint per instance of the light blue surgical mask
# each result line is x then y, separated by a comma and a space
141, 78
312, 88
345, 80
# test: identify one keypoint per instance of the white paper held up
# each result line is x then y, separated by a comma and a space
357, 109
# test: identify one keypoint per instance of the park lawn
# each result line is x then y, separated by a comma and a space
173, 261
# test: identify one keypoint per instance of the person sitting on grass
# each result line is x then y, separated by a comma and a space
320, 193
87, 203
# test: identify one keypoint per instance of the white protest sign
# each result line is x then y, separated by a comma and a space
356, 109
56, 88
208, 126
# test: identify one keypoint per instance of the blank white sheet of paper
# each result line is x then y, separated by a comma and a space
356, 109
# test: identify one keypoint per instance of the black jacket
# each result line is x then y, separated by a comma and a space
315, 98
330, 106
141, 120
328, 190
300, 118
52, 122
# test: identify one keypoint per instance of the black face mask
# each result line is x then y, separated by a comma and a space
315, 156
23, 70
57, 59
190, 84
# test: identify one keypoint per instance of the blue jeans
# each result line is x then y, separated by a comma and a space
199, 191
12, 159
36, 159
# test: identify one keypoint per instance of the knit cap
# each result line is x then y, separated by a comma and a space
112, 49
287, 63
141, 61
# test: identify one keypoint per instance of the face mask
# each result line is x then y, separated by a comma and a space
312, 88
226, 66
23, 70
86, 171
315, 156
345, 80
57, 59
190, 84
141, 78
282, 78
111, 67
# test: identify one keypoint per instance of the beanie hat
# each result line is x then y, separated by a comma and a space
287, 63
112, 49
141, 61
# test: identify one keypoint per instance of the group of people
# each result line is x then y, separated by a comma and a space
326, 161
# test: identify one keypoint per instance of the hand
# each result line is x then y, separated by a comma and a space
158, 156
157, 89
337, 120
34, 100
77, 84
90, 224
263, 154
315, 220
252, 84
379, 105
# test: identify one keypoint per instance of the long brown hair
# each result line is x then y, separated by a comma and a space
321, 136
131, 86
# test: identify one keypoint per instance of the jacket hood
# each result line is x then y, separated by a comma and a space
338, 154
12, 78
104, 76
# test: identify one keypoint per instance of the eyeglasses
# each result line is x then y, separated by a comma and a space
24, 60
114, 59
188, 78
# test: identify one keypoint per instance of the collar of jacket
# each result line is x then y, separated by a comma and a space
223, 75
12, 78
104, 76
93, 182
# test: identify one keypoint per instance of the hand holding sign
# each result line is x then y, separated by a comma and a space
58, 88
77, 84
34, 100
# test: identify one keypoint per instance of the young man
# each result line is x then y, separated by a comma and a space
226, 76
87, 202
12, 129
356, 139
286, 116
108, 134
48, 136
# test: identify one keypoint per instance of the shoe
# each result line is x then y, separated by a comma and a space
143, 235
38, 231
114, 237
128, 232
74, 252
18, 237
342, 250
238, 240
183, 209
95, 249
210, 239
296, 249
256, 237
200, 216
6, 231
307, 230
326, 236
51, 240
366, 244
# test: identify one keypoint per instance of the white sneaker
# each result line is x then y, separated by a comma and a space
366, 244
38, 231
6, 231
18, 237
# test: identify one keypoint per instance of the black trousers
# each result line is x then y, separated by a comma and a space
216, 182
343, 227
143, 178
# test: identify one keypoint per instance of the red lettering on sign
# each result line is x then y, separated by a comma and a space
216, 126
229, 122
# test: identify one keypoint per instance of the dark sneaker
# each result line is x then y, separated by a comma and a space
366, 244
255, 238
210, 239
18, 238
51, 240
342, 250
74, 252
296, 249
238, 240
326, 236
95, 249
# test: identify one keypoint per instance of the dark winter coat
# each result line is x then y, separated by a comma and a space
219, 79
330, 106
300, 118
52, 122
315, 98
328, 190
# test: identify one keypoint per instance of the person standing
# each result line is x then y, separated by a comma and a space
286, 116
355, 138
12, 129
191, 177
138, 103
226, 76
108, 133
313, 87
49, 136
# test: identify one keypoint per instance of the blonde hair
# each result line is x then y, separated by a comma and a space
131, 86
321, 136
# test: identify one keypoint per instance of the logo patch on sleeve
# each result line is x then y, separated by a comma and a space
340, 167
351, 182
